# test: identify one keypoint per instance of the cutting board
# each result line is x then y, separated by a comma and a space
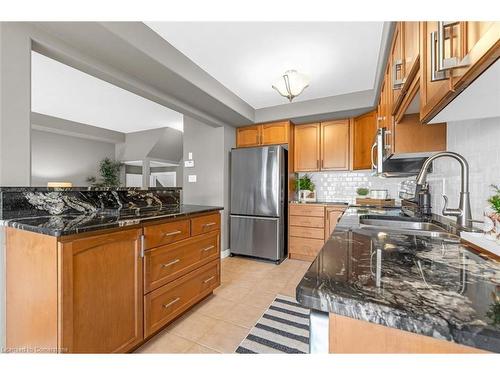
375, 202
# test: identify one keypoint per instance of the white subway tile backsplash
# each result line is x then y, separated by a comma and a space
479, 142
341, 186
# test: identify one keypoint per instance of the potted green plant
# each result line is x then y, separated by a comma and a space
110, 174
492, 216
305, 188
362, 191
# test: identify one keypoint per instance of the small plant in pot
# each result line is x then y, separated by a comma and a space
362, 192
305, 188
492, 215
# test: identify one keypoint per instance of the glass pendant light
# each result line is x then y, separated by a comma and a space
291, 84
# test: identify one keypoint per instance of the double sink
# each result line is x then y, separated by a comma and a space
408, 225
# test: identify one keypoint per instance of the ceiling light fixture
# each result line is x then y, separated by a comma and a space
291, 84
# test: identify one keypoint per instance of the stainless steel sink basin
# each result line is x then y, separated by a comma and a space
407, 225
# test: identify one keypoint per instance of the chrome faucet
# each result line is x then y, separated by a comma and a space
463, 212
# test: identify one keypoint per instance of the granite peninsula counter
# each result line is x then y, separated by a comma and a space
433, 287
67, 211
103, 270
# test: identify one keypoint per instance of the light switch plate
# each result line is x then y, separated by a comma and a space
188, 163
192, 178
190, 155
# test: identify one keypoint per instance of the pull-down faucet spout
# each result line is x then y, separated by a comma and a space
463, 212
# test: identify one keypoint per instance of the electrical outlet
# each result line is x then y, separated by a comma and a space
192, 178
188, 163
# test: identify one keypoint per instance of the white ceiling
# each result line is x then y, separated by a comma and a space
62, 91
247, 57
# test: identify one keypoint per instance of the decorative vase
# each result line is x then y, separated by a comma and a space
491, 224
307, 196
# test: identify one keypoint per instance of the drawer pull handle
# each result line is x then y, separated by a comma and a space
209, 224
167, 305
208, 248
209, 279
172, 233
170, 263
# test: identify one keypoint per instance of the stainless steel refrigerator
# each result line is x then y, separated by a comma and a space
258, 219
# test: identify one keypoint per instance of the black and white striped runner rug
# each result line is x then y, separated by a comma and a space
284, 328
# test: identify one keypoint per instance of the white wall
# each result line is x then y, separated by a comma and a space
210, 147
478, 141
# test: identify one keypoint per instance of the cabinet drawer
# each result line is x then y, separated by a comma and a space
166, 303
166, 263
307, 210
306, 232
305, 246
163, 234
205, 224
307, 221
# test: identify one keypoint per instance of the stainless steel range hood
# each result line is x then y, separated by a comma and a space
388, 164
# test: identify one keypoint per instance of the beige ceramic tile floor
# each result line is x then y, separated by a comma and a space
220, 322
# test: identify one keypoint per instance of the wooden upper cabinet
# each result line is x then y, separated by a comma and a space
272, 133
335, 145
396, 63
101, 284
411, 50
275, 133
306, 147
434, 85
363, 132
479, 48
248, 136
469, 48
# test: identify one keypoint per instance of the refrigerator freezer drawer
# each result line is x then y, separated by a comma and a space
257, 236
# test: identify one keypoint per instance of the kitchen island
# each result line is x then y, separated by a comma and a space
376, 291
103, 270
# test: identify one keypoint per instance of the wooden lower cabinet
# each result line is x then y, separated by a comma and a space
166, 303
309, 226
166, 263
102, 293
353, 336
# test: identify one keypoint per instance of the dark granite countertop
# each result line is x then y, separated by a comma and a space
429, 286
322, 202
66, 224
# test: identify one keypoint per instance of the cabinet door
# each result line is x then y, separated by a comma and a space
101, 293
331, 220
275, 133
335, 145
396, 77
480, 47
248, 136
363, 133
306, 152
382, 105
411, 49
435, 87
